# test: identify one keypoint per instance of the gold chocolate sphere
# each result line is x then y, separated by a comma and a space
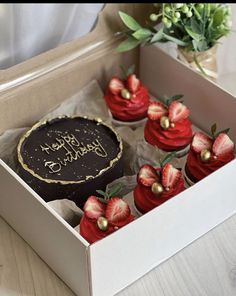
102, 223
205, 155
125, 94
157, 188
164, 122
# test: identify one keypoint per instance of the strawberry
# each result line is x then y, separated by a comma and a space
93, 208
116, 85
133, 83
170, 175
147, 175
177, 111
222, 145
156, 110
200, 142
117, 211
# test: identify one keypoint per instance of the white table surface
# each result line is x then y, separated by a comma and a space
205, 268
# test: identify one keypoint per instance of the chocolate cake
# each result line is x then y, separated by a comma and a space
70, 157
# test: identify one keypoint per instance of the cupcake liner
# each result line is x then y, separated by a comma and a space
131, 124
138, 213
188, 182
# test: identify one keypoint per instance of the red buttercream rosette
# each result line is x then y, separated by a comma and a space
156, 185
219, 151
114, 215
128, 100
168, 128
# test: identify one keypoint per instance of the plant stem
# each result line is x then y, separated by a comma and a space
198, 65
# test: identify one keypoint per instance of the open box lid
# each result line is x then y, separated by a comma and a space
24, 86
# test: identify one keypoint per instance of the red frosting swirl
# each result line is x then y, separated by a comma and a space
132, 109
145, 200
90, 231
172, 139
196, 169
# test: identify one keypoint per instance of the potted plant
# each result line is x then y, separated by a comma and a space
194, 27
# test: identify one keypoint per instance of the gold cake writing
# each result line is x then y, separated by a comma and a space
74, 150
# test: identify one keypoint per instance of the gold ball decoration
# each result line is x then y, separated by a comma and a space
205, 155
172, 124
125, 94
102, 223
157, 188
164, 122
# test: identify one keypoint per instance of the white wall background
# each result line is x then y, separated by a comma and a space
227, 48
27, 30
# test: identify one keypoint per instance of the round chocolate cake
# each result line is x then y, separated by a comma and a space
70, 157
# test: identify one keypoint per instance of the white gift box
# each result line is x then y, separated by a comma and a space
111, 264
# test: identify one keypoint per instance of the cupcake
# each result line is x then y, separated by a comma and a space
101, 218
155, 186
206, 155
127, 100
168, 127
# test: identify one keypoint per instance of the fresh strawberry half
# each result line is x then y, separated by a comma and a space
117, 210
177, 111
116, 85
156, 110
200, 142
133, 83
222, 145
170, 176
93, 208
147, 175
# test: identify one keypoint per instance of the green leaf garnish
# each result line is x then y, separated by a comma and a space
101, 192
168, 100
130, 70
103, 200
225, 131
215, 134
126, 73
123, 72
213, 130
176, 97
167, 158
114, 190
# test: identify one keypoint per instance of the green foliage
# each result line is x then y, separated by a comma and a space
193, 26
114, 191
167, 158
168, 100
214, 134
127, 72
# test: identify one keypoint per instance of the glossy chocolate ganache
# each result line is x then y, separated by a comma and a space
70, 157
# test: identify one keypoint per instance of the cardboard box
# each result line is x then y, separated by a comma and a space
109, 265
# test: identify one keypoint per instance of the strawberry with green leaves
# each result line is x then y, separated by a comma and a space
126, 97
168, 126
156, 185
104, 215
208, 153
